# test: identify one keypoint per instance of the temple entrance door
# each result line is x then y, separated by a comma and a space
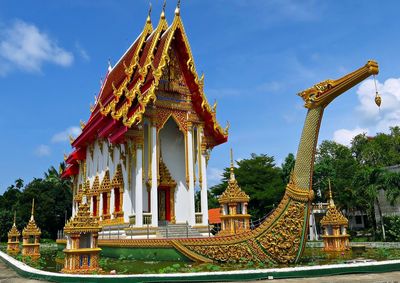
164, 210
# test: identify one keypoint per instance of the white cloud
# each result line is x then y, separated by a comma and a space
388, 115
42, 150
64, 135
24, 46
344, 136
82, 52
214, 176
369, 116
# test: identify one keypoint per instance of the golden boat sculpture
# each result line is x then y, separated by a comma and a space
282, 236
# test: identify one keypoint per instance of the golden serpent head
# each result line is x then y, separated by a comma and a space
324, 92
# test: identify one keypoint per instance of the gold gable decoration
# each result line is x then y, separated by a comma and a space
165, 176
333, 216
31, 228
106, 184
233, 193
14, 231
82, 222
118, 180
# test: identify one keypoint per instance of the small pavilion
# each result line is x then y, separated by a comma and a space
82, 251
31, 237
334, 224
13, 238
233, 202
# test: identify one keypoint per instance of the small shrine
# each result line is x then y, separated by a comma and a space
13, 238
233, 202
82, 251
31, 237
334, 224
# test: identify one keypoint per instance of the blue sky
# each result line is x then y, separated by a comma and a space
256, 55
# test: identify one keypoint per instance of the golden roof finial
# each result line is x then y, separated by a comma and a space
163, 9
178, 8
15, 217
232, 168
331, 203
33, 208
149, 13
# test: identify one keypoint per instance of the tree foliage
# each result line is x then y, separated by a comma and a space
53, 200
260, 178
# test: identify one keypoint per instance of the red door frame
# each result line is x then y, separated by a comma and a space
167, 200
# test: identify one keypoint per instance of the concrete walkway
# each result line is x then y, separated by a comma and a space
389, 277
7, 275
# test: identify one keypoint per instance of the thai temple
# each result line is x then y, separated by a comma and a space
142, 155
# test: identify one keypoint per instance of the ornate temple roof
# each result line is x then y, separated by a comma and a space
130, 87
31, 228
14, 231
333, 216
233, 193
82, 222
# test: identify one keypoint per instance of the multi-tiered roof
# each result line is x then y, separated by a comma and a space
130, 87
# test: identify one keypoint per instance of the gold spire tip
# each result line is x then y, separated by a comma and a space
33, 206
232, 168
163, 9
15, 216
149, 13
178, 8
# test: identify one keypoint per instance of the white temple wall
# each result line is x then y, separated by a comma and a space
173, 153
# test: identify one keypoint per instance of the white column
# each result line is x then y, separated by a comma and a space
126, 198
139, 185
112, 202
100, 204
154, 175
73, 208
191, 207
204, 189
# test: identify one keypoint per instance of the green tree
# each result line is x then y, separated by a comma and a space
287, 167
261, 179
335, 162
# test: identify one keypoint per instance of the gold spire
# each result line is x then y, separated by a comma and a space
163, 9
178, 8
33, 208
331, 203
15, 217
232, 168
149, 14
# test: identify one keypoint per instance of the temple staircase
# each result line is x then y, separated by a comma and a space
181, 230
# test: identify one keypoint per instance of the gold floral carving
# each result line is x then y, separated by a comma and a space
282, 241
